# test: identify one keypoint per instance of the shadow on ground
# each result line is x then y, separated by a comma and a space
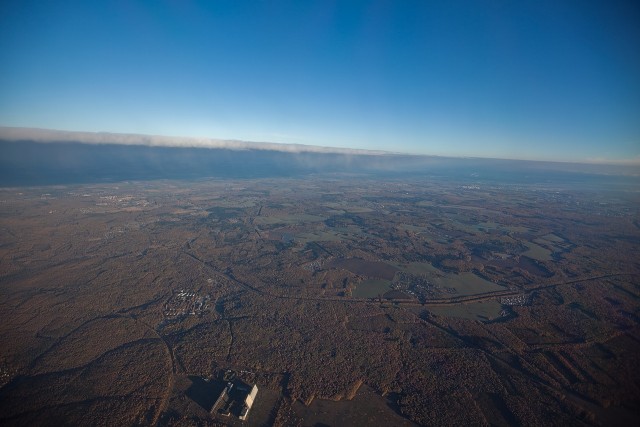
203, 392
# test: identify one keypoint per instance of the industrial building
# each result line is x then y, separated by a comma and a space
236, 400
248, 402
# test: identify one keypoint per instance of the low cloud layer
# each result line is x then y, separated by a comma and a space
47, 135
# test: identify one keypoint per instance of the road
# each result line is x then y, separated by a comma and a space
463, 299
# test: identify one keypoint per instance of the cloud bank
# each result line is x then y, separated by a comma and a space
99, 138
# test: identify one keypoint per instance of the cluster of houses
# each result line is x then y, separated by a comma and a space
516, 300
185, 303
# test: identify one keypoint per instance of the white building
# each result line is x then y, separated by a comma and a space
248, 402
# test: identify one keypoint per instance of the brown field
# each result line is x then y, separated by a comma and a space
121, 304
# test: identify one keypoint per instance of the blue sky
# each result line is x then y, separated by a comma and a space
556, 80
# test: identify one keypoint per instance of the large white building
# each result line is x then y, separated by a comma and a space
248, 402
236, 399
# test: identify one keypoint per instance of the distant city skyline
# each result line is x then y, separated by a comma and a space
544, 80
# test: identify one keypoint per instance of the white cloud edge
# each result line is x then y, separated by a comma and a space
8, 133
100, 138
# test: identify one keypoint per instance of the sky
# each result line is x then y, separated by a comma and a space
547, 80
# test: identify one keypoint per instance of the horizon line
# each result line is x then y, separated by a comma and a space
44, 135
